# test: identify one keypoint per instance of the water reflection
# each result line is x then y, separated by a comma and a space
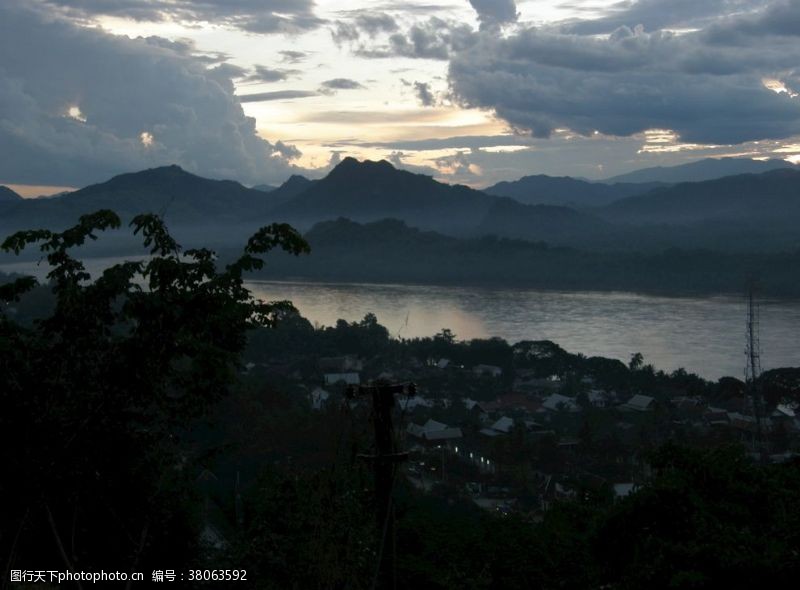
703, 335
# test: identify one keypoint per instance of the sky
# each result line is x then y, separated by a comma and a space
468, 91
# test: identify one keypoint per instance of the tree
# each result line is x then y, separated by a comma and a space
96, 397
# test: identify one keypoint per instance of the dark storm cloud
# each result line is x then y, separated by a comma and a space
434, 38
362, 23
778, 19
705, 85
227, 71
119, 89
658, 14
424, 94
374, 23
293, 57
286, 150
265, 74
257, 16
495, 12
276, 95
342, 84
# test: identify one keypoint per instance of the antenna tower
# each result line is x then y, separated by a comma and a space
752, 370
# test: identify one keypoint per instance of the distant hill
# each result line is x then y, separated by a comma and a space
6, 194
295, 185
183, 198
264, 188
366, 191
510, 218
566, 191
771, 197
389, 251
707, 169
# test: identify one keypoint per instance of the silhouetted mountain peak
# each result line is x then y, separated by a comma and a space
170, 179
350, 168
296, 180
6, 194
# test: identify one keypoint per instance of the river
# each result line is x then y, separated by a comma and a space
704, 335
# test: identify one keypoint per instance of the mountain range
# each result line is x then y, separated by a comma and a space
567, 191
742, 212
706, 169
389, 251
768, 198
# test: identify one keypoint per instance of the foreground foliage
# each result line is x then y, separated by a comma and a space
94, 397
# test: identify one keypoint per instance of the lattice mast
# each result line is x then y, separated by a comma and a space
752, 370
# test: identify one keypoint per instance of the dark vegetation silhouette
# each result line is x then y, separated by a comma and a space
122, 390
391, 251
96, 396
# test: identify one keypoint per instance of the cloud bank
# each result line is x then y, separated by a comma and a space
707, 85
78, 105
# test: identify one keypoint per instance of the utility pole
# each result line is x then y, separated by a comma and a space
384, 463
753, 366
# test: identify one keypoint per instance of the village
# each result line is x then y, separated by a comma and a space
543, 425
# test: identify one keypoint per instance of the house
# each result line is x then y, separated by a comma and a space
429, 426
560, 403
341, 364
533, 425
409, 403
526, 381
787, 416
477, 409
743, 423
622, 490
569, 444
490, 370
783, 411
504, 425
640, 403
716, 417
470, 404
346, 378
513, 402
598, 399
445, 435
434, 432
319, 397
